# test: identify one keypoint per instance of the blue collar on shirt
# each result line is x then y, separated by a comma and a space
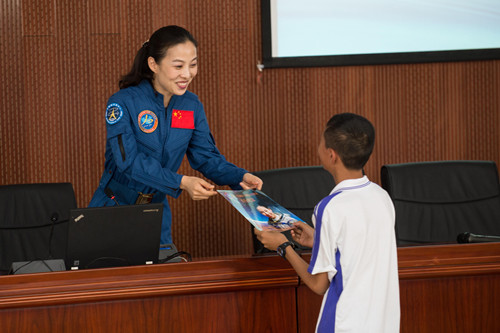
351, 184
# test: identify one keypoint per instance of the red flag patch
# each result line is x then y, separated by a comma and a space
183, 119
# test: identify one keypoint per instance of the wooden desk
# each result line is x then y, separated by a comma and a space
450, 288
453, 288
230, 295
445, 288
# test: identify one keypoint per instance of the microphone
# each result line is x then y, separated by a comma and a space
467, 237
53, 219
110, 194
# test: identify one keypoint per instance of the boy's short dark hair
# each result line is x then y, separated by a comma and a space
352, 137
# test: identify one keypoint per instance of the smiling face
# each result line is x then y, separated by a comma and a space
174, 73
266, 211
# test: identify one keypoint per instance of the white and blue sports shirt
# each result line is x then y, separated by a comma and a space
355, 244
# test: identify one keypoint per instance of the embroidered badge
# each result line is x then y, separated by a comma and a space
114, 113
148, 121
183, 119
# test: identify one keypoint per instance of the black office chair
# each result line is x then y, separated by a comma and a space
33, 222
298, 189
437, 201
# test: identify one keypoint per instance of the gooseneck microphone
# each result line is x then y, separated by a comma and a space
467, 237
53, 219
111, 195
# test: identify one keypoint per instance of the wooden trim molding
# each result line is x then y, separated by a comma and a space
448, 260
210, 276
443, 288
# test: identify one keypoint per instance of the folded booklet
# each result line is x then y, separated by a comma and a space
260, 210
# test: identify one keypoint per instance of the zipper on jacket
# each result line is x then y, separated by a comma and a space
122, 149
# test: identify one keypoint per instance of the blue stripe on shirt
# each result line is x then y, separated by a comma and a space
327, 321
318, 214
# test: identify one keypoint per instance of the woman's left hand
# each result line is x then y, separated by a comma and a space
251, 182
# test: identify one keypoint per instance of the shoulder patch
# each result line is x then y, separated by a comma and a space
148, 121
114, 113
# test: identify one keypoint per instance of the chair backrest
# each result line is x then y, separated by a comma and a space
298, 189
33, 221
436, 201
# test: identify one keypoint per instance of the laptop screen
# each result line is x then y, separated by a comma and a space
114, 236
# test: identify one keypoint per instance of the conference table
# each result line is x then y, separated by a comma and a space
444, 288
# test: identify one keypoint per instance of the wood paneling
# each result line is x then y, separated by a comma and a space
449, 288
60, 61
232, 295
446, 288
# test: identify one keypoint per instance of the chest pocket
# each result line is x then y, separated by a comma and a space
179, 138
149, 146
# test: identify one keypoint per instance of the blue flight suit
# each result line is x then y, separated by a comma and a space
146, 144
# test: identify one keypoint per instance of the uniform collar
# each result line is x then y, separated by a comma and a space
351, 184
150, 92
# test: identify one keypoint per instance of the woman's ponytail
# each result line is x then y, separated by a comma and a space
161, 40
140, 69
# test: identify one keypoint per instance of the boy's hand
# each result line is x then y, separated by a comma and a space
303, 234
270, 239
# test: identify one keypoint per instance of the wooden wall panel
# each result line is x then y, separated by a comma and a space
60, 61
44, 120
99, 91
104, 17
12, 119
39, 17
74, 86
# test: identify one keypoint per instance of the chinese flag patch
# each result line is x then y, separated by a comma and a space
183, 119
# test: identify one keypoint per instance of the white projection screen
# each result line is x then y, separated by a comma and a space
357, 32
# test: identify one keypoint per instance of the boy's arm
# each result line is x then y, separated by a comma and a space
318, 283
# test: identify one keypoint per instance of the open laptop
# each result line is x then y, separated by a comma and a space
113, 236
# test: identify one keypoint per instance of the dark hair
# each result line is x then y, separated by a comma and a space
157, 45
352, 137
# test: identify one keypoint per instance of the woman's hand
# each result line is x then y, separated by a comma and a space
197, 188
251, 182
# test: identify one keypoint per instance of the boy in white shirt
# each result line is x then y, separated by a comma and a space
354, 257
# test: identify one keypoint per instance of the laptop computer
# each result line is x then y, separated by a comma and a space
114, 236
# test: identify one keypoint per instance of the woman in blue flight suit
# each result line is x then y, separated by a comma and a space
152, 122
